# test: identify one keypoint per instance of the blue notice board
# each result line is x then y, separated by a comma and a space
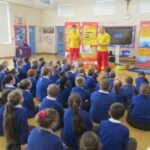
60, 40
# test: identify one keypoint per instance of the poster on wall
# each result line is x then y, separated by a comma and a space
48, 30
89, 43
68, 30
143, 59
20, 34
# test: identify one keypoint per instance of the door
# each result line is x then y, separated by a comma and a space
60, 40
32, 40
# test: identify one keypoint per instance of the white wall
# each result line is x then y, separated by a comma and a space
32, 17
84, 12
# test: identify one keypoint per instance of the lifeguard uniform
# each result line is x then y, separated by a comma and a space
102, 51
74, 44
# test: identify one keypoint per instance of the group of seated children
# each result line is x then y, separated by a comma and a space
72, 101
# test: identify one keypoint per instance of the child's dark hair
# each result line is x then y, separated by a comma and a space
68, 66
24, 84
62, 74
7, 79
45, 71
14, 98
64, 61
41, 59
141, 73
79, 124
47, 117
112, 74
3, 98
117, 110
80, 82
26, 59
31, 73
129, 80
19, 62
145, 89
63, 82
91, 72
105, 84
34, 66
90, 141
117, 86
52, 90
108, 69
80, 64
1, 67
13, 72
43, 63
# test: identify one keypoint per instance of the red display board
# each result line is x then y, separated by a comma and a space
143, 59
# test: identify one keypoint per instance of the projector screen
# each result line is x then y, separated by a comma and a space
120, 35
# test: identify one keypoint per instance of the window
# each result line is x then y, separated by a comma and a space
65, 10
5, 35
145, 6
104, 7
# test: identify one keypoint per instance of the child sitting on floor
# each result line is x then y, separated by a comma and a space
114, 135
141, 79
42, 137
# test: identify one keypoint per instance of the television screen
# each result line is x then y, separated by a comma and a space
120, 35
126, 53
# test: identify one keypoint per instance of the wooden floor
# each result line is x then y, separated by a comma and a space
142, 137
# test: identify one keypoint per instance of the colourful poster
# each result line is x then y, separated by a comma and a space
90, 30
143, 59
20, 34
68, 30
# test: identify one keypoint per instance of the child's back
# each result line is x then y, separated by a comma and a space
113, 135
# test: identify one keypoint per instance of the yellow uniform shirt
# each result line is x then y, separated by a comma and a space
103, 39
74, 40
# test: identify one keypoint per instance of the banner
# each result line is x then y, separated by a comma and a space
68, 30
143, 59
90, 30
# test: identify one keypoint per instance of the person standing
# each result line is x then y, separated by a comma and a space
74, 43
103, 41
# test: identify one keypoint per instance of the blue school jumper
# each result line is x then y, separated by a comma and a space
68, 134
40, 139
140, 108
54, 76
85, 95
33, 88
9, 87
139, 81
27, 66
63, 68
63, 96
2, 75
90, 83
113, 135
100, 104
2, 108
41, 87
129, 90
120, 97
111, 83
97, 87
49, 102
22, 73
71, 78
28, 103
21, 129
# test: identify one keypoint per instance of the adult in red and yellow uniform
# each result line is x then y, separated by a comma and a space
74, 43
103, 41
